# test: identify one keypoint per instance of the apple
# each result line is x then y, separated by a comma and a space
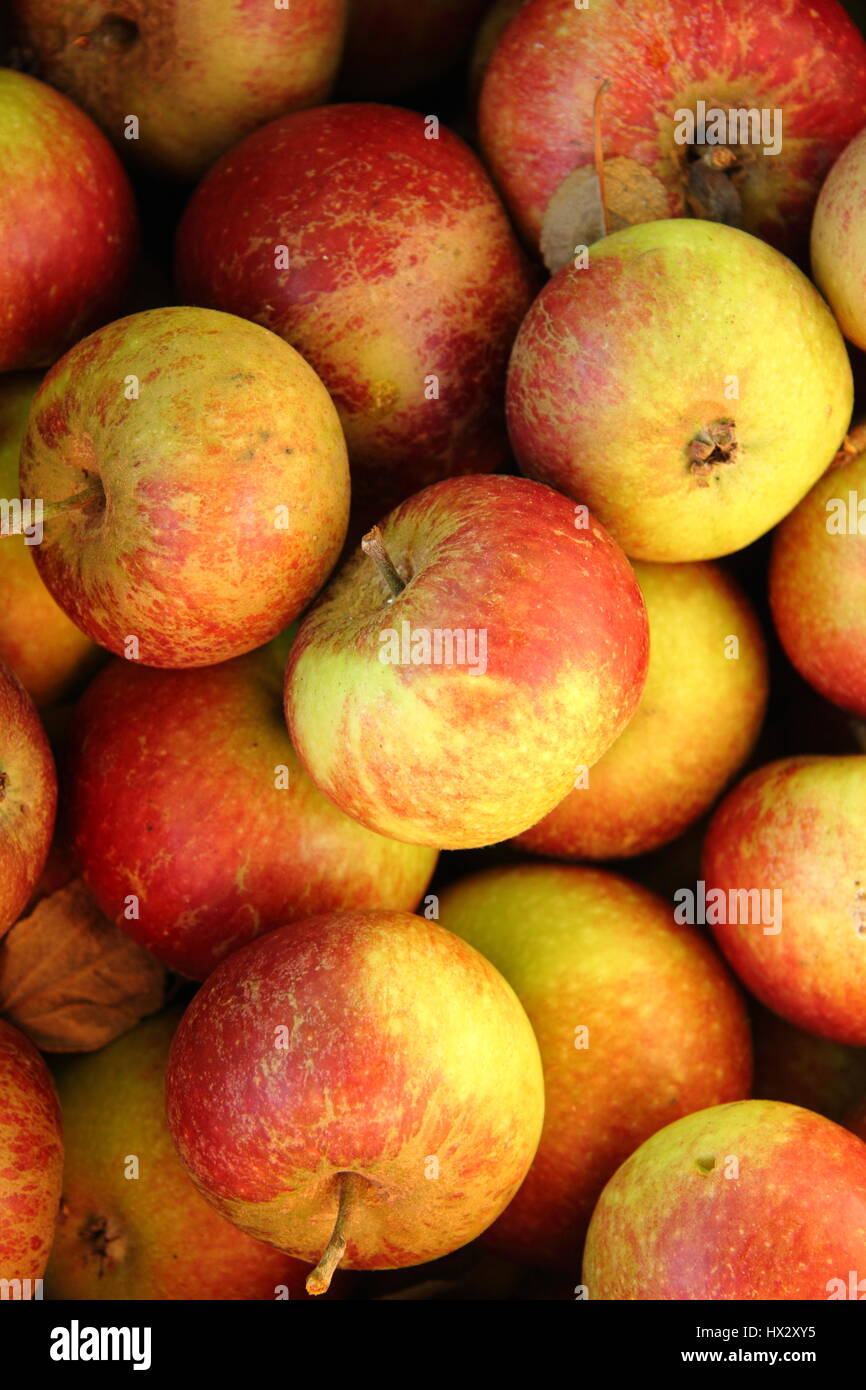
785, 857
837, 233
818, 585
637, 1021
31, 1161
452, 678
373, 242
753, 1200
28, 797
195, 825
392, 47
196, 76
358, 1088
195, 483
47, 651
671, 762
68, 224
131, 1225
670, 419
802, 59
803, 1069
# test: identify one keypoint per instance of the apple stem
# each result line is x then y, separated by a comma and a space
374, 546
599, 157
91, 493
319, 1280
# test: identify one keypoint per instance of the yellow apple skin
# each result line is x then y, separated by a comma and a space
46, 650
696, 723
838, 232
667, 1031
151, 1236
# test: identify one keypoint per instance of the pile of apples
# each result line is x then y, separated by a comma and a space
433, 638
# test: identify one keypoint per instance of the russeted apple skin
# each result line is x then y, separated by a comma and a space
402, 267
48, 653
376, 1044
31, 1157
818, 590
433, 754
173, 795
796, 826
696, 723
805, 57
838, 230
672, 1225
199, 76
68, 224
668, 1031
620, 366
152, 1236
187, 550
28, 797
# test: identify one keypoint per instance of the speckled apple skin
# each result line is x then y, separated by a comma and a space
667, 1031
68, 224
433, 754
838, 230
818, 587
619, 366
28, 797
199, 76
402, 267
804, 57
365, 1043
174, 794
797, 826
672, 1225
31, 1157
696, 723
187, 551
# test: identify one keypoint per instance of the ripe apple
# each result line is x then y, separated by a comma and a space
672, 420
637, 1020
793, 833
184, 793
68, 224
366, 1072
31, 1159
754, 1200
392, 47
196, 485
46, 650
803, 1069
28, 797
131, 1225
385, 257
671, 762
804, 59
449, 682
197, 76
818, 585
838, 229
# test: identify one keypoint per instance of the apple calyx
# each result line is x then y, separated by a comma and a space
350, 1187
710, 448
4, 783
113, 32
97, 1235
374, 546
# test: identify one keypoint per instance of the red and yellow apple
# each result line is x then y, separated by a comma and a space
373, 242
669, 417
753, 1200
838, 228
186, 799
196, 75
195, 483
360, 1087
31, 1160
28, 797
672, 761
451, 703
637, 1020
68, 224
